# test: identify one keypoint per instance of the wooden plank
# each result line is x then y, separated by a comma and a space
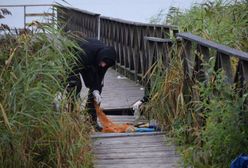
39, 14
131, 147
125, 165
135, 138
142, 155
156, 39
221, 48
112, 135
128, 145
128, 141
121, 120
39, 24
120, 117
151, 149
134, 161
27, 5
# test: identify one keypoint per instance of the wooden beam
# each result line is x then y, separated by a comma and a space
219, 47
39, 14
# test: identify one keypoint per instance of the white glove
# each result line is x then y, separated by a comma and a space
97, 96
57, 101
137, 105
136, 109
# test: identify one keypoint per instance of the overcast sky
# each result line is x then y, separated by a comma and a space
133, 10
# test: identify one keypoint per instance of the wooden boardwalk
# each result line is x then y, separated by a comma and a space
133, 150
118, 91
129, 150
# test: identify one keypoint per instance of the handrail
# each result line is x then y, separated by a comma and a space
25, 6
194, 56
156, 39
219, 47
79, 10
136, 23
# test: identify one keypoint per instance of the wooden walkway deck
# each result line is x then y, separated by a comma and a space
133, 150
118, 91
129, 150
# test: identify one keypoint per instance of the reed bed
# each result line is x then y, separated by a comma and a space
34, 67
207, 119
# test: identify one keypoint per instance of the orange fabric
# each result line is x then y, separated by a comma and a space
109, 126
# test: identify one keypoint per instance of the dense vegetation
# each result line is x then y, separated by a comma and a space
211, 129
222, 21
32, 133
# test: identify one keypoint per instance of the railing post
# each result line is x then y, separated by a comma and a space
223, 62
241, 77
201, 57
98, 27
24, 8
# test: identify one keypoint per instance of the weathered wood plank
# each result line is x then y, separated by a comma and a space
112, 135
131, 147
142, 155
219, 47
158, 148
39, 14
118, 91
134, 138
143, 145
120, 120
128, 142
125, 165
134, 161
122, 117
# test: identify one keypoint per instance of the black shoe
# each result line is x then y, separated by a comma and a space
97, 128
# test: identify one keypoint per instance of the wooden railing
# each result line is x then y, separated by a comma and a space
79, 20
26, 14
196, 50
139, 45
127, 37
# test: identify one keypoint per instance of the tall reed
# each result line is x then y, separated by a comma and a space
207, 119
210, 127
32, 134
223, 21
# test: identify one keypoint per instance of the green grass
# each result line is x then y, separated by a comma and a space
32, 133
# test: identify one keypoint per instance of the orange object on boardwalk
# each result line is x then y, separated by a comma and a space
109, 126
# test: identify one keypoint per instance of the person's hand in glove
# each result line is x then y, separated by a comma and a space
136, 110
136, 105
97, 96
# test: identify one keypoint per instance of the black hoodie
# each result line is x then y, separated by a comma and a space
94, 51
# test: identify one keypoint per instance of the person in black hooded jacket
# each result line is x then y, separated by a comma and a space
92, 65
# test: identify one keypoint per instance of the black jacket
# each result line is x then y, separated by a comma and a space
94, 51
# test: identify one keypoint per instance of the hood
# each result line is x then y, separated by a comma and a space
108, 54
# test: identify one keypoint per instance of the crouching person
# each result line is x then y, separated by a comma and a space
90, 66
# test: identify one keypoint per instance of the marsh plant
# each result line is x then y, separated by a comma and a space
207, 118
222, 21
33, 134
